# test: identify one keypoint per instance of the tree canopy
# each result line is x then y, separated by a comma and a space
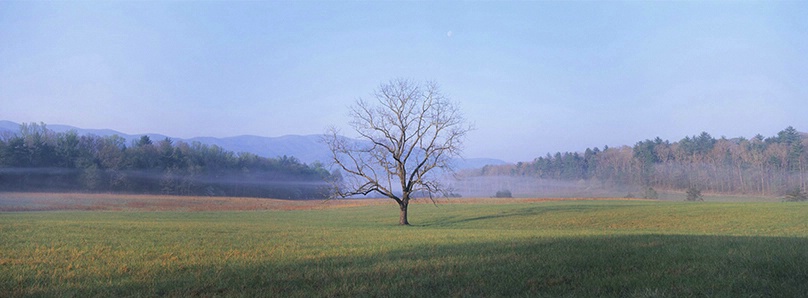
409, 132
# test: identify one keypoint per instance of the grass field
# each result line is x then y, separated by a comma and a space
485, 248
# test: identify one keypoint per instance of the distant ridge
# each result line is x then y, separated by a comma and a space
306, 148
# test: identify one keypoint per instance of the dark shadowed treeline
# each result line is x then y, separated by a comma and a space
38, 159
762, 166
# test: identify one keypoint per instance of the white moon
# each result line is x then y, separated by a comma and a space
449, 34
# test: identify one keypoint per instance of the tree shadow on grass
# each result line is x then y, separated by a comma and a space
451, 220
597, 266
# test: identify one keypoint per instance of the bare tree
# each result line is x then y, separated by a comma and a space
409, 134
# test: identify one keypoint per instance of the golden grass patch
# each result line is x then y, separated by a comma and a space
17, 202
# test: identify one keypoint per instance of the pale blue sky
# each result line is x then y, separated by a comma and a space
534, 77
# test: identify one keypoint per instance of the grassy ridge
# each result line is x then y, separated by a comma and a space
582, 248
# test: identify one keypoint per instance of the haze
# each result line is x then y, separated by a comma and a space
534, 77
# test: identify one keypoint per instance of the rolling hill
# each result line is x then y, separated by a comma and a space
306, 148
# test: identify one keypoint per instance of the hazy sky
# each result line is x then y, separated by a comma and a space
534, 77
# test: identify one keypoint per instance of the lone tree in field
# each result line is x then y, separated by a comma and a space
409, 133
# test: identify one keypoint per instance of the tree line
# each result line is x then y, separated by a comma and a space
770, 166
38, 159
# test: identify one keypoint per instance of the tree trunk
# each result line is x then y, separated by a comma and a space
402, 219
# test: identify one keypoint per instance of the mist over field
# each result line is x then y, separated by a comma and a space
473, 186
773, 166
35, 158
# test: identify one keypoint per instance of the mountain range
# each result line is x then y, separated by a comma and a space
306, 148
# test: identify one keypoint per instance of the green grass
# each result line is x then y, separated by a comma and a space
573, 249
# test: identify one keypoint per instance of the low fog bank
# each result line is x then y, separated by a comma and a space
38, 159
532, 187
763, 167
231, 183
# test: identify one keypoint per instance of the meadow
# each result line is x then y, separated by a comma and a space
536, 248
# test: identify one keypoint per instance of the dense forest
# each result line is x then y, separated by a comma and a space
771, 166
38, 159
